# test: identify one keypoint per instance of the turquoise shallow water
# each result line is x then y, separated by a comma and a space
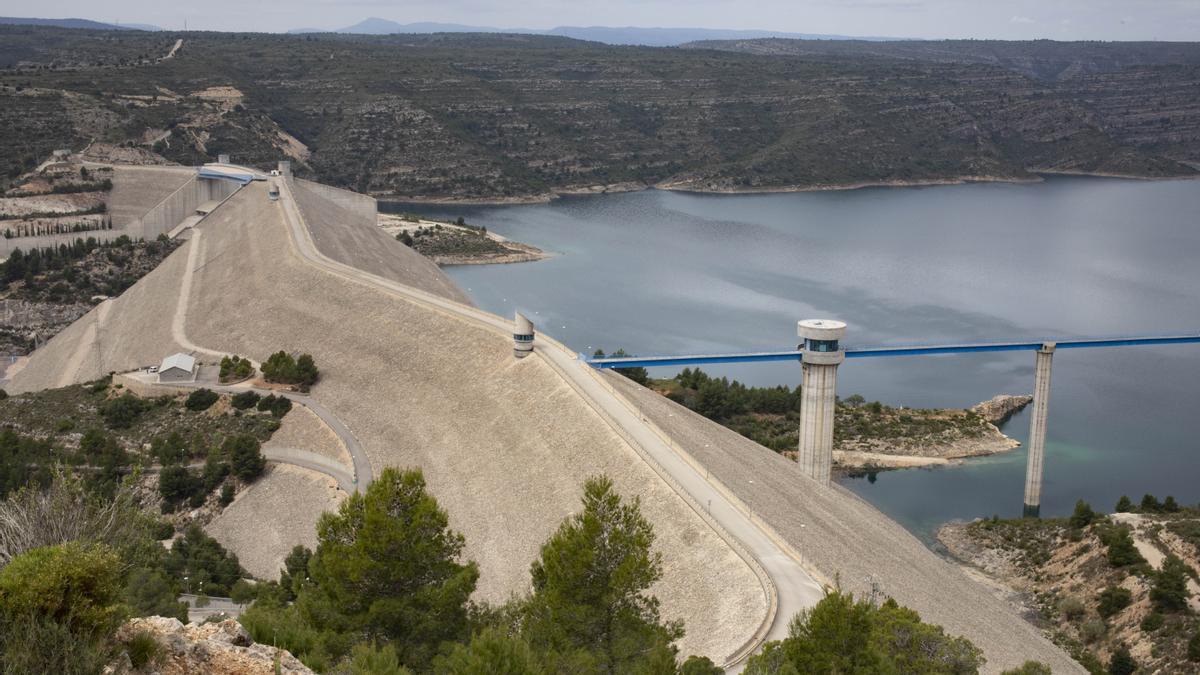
663, 272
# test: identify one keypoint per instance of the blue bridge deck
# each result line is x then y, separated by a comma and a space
871, 352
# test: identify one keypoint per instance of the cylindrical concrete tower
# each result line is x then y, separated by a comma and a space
1037, 430
818, 391
522, 336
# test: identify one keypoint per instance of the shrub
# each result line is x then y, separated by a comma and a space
235, 368
1122, 662
1193, 647
1071, 607
699, 665
227, 494
122, 412
201, 399
143, 649
1121, 550
1170, 505
1150, 504
1092, 631
243, 592
75, 585
283, 367
1169, 592
245, 400
245, 456
1112, 600
1152, 622
281, 406
1083, 515
264, 404
176, 483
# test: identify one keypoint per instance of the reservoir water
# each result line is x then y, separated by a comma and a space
663, 272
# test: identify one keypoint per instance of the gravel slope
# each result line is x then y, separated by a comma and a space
274, 514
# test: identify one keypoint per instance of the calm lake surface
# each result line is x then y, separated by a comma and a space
662, 272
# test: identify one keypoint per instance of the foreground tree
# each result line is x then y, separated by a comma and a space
1169, 592
59, 605
387, 567
590, 605
844, 635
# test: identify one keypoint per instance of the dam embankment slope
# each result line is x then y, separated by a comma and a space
505, 445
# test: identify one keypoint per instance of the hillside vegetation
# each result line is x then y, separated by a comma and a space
499, 117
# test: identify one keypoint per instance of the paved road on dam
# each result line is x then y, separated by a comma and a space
788, 586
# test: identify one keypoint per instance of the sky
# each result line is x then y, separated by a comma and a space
998, 19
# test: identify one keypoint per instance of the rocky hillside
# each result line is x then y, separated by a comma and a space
220, 648
504, 117
1099, 585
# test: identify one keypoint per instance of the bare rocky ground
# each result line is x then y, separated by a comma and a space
273, 514
221, 647
845, 540
505, 445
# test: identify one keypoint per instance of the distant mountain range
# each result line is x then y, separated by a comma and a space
74, 23
629, 35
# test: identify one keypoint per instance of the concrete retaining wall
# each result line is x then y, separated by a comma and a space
179, 205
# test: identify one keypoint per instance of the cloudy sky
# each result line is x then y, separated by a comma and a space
1005, 19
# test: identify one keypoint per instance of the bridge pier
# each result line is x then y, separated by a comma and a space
1037, 431
818, 394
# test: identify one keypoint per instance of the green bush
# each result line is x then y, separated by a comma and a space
122, 412
1152, 622
235, 368
1121, 550
1124, 505
245, 456
1092, 631
143, 649
227, 494
1112, 600
1083, 515
201, 399
284, 368
1169, 591
73, 584
245, 400
1122, 662
1071, 607
1193, 647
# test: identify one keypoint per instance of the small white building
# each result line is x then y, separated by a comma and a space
177, 368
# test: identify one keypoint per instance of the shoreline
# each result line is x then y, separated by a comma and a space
1038, 176
515, 251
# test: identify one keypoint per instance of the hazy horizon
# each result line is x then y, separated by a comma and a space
1119, 20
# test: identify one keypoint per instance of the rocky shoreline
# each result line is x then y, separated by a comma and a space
1037, 176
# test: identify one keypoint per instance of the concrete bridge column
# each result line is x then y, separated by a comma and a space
818, 394
1037, 430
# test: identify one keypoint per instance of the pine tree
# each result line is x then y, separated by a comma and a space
590, 586
387, 568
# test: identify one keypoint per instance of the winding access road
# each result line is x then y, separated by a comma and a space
787, 585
